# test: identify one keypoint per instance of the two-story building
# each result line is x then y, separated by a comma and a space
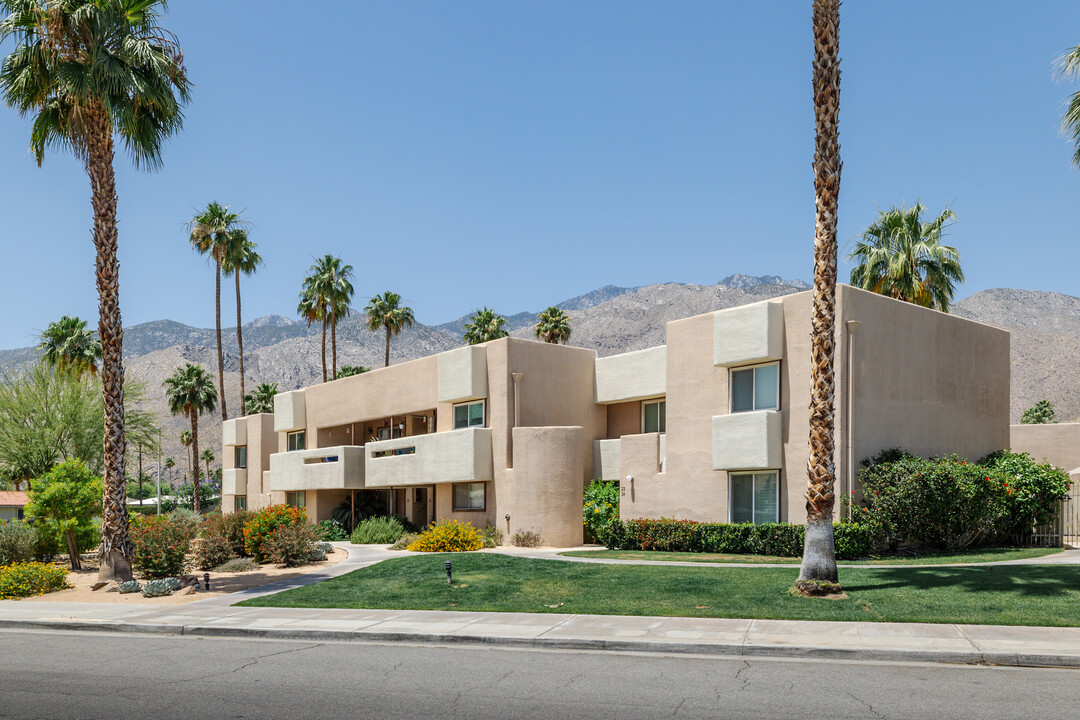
713, 425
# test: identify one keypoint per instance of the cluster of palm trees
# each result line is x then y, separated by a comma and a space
325, 296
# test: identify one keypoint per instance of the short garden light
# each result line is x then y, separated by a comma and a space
449, 570
206, 580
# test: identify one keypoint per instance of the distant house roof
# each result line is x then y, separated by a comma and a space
13, 498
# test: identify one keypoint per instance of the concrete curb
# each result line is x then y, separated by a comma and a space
581, 644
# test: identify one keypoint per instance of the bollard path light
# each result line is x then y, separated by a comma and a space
206, 580
449, 570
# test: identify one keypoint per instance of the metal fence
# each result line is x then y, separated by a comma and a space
1065, 530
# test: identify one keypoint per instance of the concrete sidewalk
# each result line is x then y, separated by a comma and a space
216, 616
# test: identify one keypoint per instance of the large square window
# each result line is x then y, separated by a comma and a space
654, 416
241, 457
296, 441
296, 499
755, 388
469, 415
469, 496
755, 497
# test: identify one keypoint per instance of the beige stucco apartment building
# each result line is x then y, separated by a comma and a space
710, 426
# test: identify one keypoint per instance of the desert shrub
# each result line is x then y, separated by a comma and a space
331, 531
492, 536
292, 544
601, 506
184, 514
212, 550
777, 539
229, 526
262, 525
18, 541
526, 538
161, 543
448, 536
237, 565
381, 530
28, 579
404, 542
1033, 492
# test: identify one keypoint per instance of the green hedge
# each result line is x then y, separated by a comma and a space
778, 539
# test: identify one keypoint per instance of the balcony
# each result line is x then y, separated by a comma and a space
748, 440
234, 482
332, 468
442, 457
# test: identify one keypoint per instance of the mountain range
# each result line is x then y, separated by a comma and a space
1045, 331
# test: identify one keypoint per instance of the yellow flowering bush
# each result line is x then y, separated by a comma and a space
29, 579
448, 536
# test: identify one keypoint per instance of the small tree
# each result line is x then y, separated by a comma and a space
1041, 413
67, 497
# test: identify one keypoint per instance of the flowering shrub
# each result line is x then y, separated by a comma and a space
161, 544
492, 536
779, 539
601, 506
17, 542
526, 538
292, 545
212, 550
448, 536
29, 579
1032, 490
261, 526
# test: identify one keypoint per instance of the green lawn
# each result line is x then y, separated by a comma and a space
1005, 595
978, 555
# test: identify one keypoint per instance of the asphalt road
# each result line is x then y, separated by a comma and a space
97, 675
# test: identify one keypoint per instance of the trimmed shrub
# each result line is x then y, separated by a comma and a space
448, 536
777, 539
212, 550
492, 536
601, 506
526, 538
18, 541
161, 544
237, 565
1032, 492
29, 579
292, 544
381, 530
264, 523
331, 531
404, 542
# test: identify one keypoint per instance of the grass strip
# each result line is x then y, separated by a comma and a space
978, 555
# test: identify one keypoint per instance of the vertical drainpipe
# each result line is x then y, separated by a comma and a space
517, 413
852, 328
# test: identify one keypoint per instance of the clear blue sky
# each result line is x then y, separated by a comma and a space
516, 154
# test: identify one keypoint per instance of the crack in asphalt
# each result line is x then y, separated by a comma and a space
869, 707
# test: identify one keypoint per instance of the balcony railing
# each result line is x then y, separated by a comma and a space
332, 468
442, 457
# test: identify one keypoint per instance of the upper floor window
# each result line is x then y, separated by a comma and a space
654, 416
241, 457
296, 441
755, 388
469, 415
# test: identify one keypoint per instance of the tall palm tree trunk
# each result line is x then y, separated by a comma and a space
819, 559
333, 344
387, 362
195, 504
220, 359
324, 348
116, 548
240, 344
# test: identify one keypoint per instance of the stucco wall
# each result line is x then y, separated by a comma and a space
1057, 444
543, 493
444, 508
261, 442
623, 419
925, 381
631, 376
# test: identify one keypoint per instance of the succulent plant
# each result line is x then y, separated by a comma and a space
128, 586
325, 547
160, 588
317, 554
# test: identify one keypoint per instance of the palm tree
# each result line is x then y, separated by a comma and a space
86, 71
484, 325
240, 257
208, 457
211, 234
553, 326
350, 370
185, 440
901, 256
1068, 66
386, 312
190, 391
329, 283
70, 345
311, 308
819, 556
169, 465
262, 399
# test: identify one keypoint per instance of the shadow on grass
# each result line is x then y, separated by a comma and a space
1024, 580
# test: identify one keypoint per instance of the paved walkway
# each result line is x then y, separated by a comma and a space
1031, 646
